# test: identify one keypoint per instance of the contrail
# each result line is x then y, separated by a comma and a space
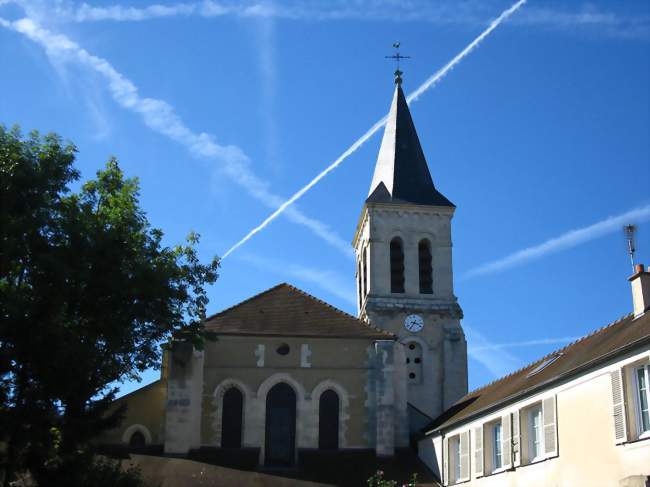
161, 117
412, 97
525, 343
564, 241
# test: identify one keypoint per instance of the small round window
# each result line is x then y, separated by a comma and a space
283, 349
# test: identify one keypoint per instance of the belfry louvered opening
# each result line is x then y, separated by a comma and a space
426, 267
396, 266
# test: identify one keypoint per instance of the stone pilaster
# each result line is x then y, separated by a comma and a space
184, 396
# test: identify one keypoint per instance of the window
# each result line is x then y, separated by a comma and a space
396, 266
457, 461
545, 364
414, 362
364, 269
360, 289
535, 433
232, 418
328, 420
454, 459
642, 399
426, 271
497, 447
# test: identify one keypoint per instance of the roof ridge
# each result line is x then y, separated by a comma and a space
307, 295
230, 308
340, 311
547, 356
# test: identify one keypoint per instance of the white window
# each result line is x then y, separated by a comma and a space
497, 447
457, 459
642, 399
535, 433
454, 459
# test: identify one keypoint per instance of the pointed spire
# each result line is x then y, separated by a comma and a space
401, 173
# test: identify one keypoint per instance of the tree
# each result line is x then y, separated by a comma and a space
88, 292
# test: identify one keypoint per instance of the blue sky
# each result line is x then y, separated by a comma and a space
226, 109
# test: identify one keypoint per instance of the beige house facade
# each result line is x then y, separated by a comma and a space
577, 417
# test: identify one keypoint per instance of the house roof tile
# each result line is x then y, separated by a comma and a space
563, 363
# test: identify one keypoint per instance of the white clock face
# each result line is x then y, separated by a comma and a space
413, 323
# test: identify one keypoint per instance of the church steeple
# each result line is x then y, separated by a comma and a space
401, 173
404, 266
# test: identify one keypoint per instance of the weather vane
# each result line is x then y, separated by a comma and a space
397, 56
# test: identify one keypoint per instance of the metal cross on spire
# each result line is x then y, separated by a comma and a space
397, 56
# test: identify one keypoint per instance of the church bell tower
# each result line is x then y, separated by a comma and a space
404, 267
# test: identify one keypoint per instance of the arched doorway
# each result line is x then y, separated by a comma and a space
328, 420
231, 418
137, 440
280, 425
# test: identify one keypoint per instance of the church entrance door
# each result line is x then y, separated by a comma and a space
280, 425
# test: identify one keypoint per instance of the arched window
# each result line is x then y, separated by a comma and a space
280, 443
396, 266
137, 440
426, 269
414, 362
328, 421
231, 418
359, 283
365, 273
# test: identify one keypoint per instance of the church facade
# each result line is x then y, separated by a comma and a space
289, 372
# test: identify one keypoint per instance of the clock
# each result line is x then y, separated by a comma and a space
413, 323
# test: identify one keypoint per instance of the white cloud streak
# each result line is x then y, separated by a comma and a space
159, 116
565, 241
330, 281
432, 81
582, 16
498, 362
524, 343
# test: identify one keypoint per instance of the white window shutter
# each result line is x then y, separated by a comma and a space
516, 439
618, 406
478, 451
464, 455
445, 461
549, 416
506, 441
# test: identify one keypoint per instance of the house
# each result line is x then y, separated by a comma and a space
578, 416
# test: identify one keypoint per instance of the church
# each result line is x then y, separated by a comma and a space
291, 373
294, 384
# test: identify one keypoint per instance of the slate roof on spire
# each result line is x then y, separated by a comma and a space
401, 174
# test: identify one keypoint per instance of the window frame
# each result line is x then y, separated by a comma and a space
497, 444
453, 458
638, 412
535, 410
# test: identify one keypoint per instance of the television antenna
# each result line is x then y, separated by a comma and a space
630, 237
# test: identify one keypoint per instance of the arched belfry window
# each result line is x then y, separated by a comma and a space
396, 266
328, 420
360, 289
426, 268
364, 269
414, 362
231, 418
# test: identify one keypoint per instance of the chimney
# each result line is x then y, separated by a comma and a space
640, 289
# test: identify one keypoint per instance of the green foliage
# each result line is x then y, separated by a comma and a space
378, 480
88, 291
